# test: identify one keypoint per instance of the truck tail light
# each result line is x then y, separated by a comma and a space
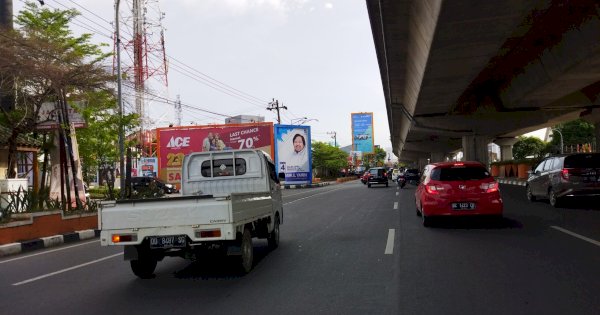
120, 238
208, 233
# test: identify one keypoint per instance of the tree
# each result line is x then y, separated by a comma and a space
574, 132
528, 146
98, 141
328, 158
44, 62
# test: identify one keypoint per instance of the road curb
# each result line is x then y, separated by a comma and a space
512, 182
305, 186
46, 242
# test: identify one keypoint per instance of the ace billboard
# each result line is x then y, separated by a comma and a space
175, 142
293, 155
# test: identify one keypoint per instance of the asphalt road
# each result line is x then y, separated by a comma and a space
345, 249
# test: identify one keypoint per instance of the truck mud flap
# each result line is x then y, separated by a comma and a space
130, 252
234, 250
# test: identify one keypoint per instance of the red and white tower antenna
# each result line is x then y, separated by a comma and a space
145, 58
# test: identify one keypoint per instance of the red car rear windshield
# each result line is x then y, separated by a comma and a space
459, 173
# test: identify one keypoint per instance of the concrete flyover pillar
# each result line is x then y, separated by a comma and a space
506, 145
438, 157
475, 148
422, 163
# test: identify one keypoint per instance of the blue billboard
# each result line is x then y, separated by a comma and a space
293, 155
362, 132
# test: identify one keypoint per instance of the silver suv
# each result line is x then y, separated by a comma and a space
567, 175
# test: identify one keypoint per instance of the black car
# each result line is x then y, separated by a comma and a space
144, 182
377, 175
564, 176
412, 175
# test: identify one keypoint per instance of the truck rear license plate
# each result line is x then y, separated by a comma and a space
463, 206
169, 241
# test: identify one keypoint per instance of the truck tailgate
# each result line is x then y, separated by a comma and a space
165, 212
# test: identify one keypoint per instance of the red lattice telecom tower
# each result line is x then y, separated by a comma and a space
145, 58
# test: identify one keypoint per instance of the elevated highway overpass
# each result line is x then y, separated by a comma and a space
459, 74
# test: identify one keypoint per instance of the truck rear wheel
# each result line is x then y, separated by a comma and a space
247, 249
273, 238
144, 266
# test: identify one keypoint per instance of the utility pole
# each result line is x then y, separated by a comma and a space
334, 137
120, 101
274, 105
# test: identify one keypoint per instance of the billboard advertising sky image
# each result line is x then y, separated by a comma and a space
362, 132
293, 153
175, 142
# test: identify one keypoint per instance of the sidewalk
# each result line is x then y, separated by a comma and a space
45, 242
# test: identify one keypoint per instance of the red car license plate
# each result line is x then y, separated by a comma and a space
168, 241
463, 205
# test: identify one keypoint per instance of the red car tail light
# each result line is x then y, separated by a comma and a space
433, 189
489, 187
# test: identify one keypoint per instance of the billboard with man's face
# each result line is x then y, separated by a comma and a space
362, 132
293, 153
175, 142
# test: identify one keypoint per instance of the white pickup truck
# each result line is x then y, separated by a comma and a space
228, 198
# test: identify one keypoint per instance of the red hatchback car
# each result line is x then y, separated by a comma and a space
457, 189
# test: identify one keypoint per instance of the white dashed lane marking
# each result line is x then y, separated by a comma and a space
389, 247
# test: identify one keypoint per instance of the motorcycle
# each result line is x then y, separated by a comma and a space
401, 181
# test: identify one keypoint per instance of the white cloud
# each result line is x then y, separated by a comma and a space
328, 5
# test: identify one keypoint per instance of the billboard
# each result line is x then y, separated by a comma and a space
48, 116
293, 155
174, 143
148, 167
362, 132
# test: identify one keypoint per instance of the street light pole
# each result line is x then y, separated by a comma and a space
120, 101
561, 140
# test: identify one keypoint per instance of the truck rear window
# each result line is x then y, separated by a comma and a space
223, 167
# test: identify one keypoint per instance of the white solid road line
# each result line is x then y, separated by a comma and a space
396, 205
48, 251
389, 247
67, 269
581, 237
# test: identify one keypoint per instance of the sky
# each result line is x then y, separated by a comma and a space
232, 57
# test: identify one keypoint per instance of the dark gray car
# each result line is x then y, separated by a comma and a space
567, 175
378, 176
